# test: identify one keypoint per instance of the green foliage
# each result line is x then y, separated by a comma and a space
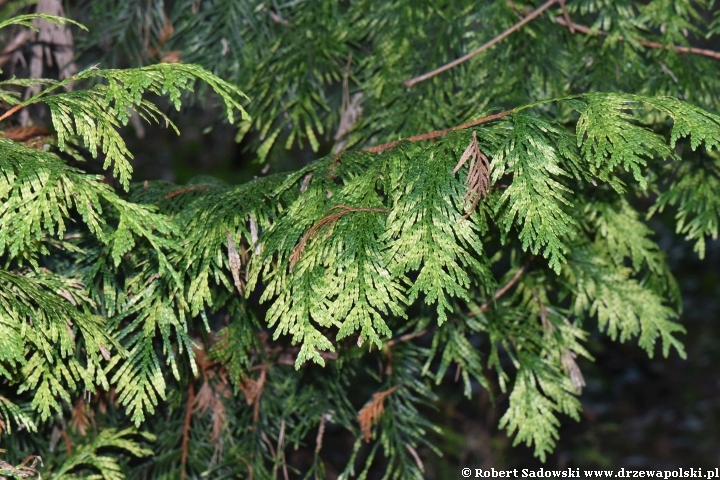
181, 310
87, 458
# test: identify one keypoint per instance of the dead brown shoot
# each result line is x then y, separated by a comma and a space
28, 468
209, 399
327, 221
80, 418
371, 412
571, 367
235, 263
252, 389
478, 177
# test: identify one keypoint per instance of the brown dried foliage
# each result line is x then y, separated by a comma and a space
372, 411
209, 398
478, 177
28, 468
253, 389
165, 33
81, 417
320, 434
235, 263
571, 367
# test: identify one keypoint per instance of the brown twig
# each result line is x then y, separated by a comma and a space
281, 452
182, 190
566, 16
408, 336
321, 432
438, 133
415, 455
678, 49
532, 16
502, 291
186, 429
11, 112
328, 220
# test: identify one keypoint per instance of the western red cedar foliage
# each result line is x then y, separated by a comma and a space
474, 221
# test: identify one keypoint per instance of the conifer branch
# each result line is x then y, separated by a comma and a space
566, 22
532, 16
483, 308
409, 336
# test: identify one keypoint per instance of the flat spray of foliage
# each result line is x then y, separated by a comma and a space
181, 311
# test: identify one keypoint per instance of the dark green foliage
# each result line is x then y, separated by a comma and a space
236, 325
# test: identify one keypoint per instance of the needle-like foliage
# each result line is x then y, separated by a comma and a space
231, 325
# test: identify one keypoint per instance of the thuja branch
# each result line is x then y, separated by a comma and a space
532, 16
483, 308
678, 49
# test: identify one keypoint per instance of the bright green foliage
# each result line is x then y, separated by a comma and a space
95, 114
234, 323
536, 199
106, 466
